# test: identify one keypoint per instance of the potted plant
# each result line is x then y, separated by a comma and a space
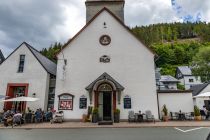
95, 115
197, 113
116, 115
165, 113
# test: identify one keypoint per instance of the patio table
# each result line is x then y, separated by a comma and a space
140, 117
181, 116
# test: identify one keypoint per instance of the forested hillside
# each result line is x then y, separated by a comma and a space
170, 32
175, 44
179, 44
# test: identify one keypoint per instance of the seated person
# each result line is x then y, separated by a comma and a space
6, 115
38, 115
205, 112
48, 115
17, 118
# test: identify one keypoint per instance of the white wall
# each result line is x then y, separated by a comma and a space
176, 102
132, 65
187, 84
34, 74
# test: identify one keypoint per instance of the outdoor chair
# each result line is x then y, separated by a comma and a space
149, 116
174, 115
131, 116
189, 116
58, 117
28, 117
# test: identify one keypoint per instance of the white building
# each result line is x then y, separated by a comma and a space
26, 72
186, 78
167, 82
105, 66
199, 89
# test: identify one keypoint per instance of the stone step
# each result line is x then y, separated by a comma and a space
105, 123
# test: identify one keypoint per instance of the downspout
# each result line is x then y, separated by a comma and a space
158, 105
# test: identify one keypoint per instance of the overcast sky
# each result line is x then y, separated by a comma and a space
43, 22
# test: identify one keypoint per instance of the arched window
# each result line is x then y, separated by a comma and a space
105, 87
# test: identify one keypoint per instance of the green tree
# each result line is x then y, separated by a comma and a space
51, 51
201, 64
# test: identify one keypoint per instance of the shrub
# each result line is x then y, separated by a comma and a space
165, 110
117, 111
196, 111
95, 111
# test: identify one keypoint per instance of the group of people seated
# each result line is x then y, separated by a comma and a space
11, 118
14, 117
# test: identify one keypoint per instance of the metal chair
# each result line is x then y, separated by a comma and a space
189, 116
131, 116
174, 115
149, 116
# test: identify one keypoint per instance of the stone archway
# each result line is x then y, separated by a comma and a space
105, 100
107, 86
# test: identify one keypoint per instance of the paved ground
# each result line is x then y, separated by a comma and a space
106, 134
117, 125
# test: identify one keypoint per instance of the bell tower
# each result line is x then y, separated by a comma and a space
94, 6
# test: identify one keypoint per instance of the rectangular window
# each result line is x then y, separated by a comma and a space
191, 80
21, 63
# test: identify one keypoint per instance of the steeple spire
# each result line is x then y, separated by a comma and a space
94, 6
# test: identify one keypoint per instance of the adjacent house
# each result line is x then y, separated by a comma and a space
199, 89
168, 82
26, 72
105, 66
2, 58
186, 78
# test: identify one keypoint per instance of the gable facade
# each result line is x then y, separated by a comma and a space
131, 64
33, 81
184, 75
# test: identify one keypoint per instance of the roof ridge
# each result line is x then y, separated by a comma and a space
46, 63
118, 20
28, 45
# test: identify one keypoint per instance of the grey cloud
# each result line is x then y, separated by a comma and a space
143, 12
42, 22
31, 21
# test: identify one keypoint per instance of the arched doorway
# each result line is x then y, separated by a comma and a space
104, 91
105, 97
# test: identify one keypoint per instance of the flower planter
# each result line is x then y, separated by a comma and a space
116, 117
165, 118
95, 118
198, 118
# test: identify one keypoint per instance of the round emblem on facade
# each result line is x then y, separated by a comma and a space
105, 40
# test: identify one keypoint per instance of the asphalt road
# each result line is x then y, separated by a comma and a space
106, 134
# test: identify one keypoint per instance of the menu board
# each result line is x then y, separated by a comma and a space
65, 102
127, 103
65, 105
83, 103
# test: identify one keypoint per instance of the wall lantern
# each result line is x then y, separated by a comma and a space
34, 95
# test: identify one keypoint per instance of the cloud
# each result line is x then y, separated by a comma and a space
43, 22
